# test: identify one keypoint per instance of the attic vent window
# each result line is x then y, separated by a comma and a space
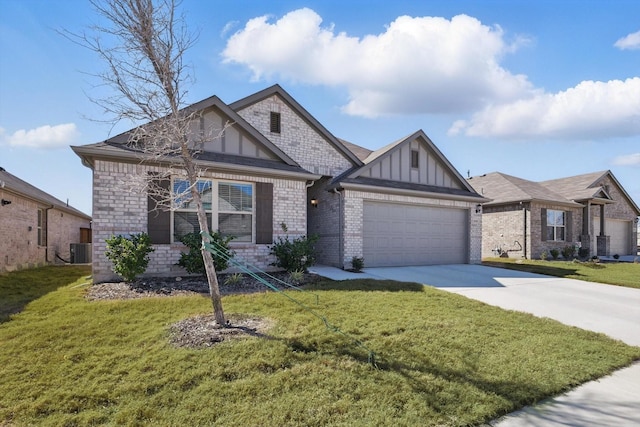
415, 159
274, 122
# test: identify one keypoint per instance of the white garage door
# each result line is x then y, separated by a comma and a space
396, 235
619, 232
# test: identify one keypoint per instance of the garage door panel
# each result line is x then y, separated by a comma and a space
620, 235
396, 234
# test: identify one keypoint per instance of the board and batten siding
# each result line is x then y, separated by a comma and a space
397, 167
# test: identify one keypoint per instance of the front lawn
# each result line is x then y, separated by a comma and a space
442, 359
614, 273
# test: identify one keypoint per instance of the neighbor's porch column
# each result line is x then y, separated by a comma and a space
602, 233
603, 242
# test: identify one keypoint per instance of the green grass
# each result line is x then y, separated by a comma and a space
443, 359
615, 273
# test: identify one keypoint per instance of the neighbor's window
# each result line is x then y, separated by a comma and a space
415, 159
231, 212
274, 122
42, 227
556, 225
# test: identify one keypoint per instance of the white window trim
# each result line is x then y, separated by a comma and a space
215, 208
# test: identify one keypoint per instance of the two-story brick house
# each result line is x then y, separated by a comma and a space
274, 164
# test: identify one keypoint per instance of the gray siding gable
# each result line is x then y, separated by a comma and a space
393, 164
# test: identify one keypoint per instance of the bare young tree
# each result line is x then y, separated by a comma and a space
143, 43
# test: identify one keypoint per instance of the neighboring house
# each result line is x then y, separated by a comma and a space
525, 218
36, 228
275, 165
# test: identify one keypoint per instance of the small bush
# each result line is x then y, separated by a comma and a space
357, 263
544, 255
616, 256
583, 253
129, 255
193, 262
554, 253
568, 251
294, 255
233, 279
296, 277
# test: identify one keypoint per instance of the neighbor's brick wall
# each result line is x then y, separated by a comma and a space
502, 227
297, 139
19, 246
121, 211
64, 229
353, 221
537, 245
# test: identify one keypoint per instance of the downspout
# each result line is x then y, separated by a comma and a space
524, 217
340, 228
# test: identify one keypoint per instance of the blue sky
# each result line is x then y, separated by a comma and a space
538, 89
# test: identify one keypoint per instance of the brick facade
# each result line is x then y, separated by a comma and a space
118, 210
297, 138
19, 247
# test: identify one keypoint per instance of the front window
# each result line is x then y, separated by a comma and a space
556, 225
231, 213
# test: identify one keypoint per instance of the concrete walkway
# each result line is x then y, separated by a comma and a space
614, 310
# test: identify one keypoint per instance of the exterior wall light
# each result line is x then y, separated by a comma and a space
478, 208
5, 202
314, 202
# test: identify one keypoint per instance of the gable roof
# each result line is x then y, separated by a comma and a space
214, 101
117, 148
587, 187
354, 177
502, 189
295, 106
13, 184
360, 152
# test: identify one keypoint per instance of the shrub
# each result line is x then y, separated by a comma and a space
193, 262
544, 255
296, 277
568, 251
357, 263
554, 253
294, 255
234, 279
616, 256
583, 253
129, 255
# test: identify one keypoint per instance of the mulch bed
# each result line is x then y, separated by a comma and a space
200, 331
174, 286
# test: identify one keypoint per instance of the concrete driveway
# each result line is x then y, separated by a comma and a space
612, 310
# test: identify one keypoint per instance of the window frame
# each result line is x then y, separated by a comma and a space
415, 159
214, 210
552, 224
42, 227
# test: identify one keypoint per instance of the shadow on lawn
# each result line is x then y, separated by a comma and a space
549, 270
19, 288
366, 285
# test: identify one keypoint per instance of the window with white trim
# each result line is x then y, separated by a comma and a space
556, 225
231, 213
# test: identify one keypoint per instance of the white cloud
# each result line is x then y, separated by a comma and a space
590, 110
630, 41
628, 160
417, 65
42, 137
